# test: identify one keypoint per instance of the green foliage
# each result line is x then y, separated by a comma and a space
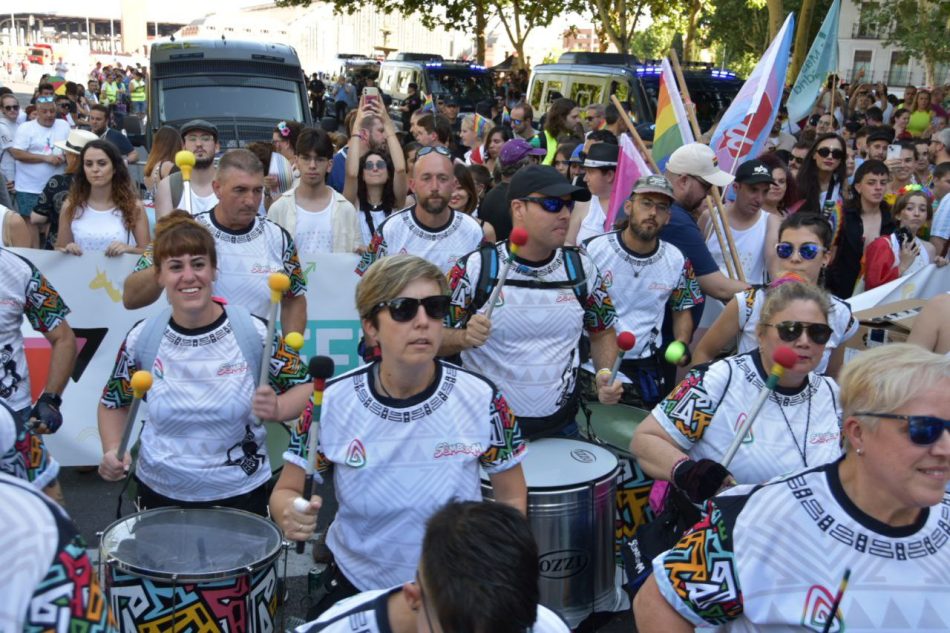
919, 27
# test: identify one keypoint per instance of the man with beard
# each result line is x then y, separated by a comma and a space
645, 275
553, 294
430, 229
99, 125
200, 138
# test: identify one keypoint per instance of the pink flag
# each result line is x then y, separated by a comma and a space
630, 168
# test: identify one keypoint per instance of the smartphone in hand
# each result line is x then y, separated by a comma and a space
371, 96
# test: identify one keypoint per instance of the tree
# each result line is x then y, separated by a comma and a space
920, 27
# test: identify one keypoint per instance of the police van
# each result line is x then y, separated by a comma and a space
465, 82
245, 88
593, 77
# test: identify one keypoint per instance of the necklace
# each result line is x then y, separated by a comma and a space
803, 450
379, 382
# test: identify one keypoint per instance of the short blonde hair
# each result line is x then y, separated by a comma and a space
779, 297
887, 378
387, 277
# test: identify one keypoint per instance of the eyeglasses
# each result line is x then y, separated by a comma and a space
661, 207
438, 149
11, 108
825, 152
370, 165
550, 204
403, 309
791, 331
705, 185
808, 250
923, 429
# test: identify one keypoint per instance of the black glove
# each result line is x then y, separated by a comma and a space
699, 480
46, 416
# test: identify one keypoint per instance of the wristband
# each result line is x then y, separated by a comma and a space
677, 465
605, 370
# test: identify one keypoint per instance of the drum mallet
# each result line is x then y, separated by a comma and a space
518, 238
320, 368
185, 161
783, 358
279, 283
625, 343
141, 383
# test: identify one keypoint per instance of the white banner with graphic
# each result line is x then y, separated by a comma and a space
924, 284
91, 285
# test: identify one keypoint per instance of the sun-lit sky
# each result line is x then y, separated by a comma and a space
154, 9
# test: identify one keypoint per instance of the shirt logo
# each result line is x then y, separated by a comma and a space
158, 369
608, 279
445, 449
356, 455
817, 611
230, 369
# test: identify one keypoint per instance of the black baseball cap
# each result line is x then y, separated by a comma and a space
752, 172
543, 180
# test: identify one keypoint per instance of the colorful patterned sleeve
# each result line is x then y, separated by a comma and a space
44, 308
117, 393
507, 444
698, 576
286, 368
145, 260
298, 283
687, 411
687, 292
599, 312
375, 250
296, 452
463, 293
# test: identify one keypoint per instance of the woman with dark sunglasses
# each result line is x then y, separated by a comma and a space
405, 434
802, 250
686, 435
823, 174
876, 517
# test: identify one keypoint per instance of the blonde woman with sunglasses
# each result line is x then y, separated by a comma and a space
801, 253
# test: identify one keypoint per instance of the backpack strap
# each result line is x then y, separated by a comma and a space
151, 337
575, 272
487, 276
177, 185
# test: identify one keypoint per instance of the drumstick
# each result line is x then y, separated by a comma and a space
837, 603
185, 161
625, 343
783, 358
141, 383
320, 368
518, 238
279, 283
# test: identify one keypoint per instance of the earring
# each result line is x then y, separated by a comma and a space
860, 452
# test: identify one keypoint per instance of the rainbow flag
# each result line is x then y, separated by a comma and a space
506, 116
427, 104
672, 129
481, 125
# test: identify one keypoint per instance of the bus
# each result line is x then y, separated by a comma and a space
244, 88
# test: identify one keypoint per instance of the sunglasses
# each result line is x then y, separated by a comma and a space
705, 185
808, 250
551, 205
796, 159
403, 309
825, 152
517, 121
370, 165
791, 331
45, 99
438, 149
11, 108
923, 429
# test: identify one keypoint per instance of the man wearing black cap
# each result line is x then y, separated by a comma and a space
877, 143
645, 275
200, 138
551, 295
748, 221
600, 169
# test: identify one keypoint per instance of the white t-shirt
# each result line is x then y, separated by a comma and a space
367, 612
750, 244
402, 233
940, 227
246, 258
771, 559
533, 348
641, 286
314, 232
94, 230
200, 443
796, 427
750, 302
593, 223
34, 138
396, 462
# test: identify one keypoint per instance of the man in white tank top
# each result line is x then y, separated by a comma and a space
748, 221
200, 138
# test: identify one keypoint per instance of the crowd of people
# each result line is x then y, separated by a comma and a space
491, 292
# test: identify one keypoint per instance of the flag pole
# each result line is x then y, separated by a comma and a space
714, 201
641, 146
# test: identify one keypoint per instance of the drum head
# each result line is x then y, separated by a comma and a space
559, 463
190, 545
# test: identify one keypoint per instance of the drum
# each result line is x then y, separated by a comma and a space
173, 569
612, 427
571, 487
